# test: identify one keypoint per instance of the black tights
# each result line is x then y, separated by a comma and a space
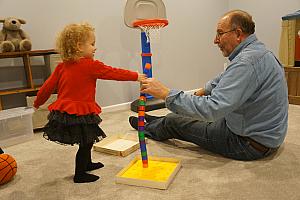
83, 158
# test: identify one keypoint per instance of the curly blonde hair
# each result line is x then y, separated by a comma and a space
68, 39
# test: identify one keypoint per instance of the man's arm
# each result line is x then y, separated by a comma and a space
158, 90
233, 89
211, 84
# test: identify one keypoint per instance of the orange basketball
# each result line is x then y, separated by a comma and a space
8, 168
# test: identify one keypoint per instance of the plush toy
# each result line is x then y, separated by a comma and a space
12, 37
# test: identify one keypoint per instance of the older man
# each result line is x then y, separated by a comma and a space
242, 113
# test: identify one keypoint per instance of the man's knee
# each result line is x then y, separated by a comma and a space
172, 119
158, 129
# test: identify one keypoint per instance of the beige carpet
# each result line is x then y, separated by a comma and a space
45, 170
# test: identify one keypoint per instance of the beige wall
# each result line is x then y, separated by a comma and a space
185, 58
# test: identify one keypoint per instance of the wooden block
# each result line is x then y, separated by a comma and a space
292, 75
160, 172
1, 106
292, 83
294, 100
119, 144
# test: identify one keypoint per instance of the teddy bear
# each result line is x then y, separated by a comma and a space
12, 37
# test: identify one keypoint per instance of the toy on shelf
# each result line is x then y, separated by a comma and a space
12, 37
289, 50
154, 172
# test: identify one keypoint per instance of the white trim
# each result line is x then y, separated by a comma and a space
117, 107
191, 91
126, 106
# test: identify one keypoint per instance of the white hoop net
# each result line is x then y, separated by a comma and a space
152, 31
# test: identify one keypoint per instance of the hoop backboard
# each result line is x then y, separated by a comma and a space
143, 9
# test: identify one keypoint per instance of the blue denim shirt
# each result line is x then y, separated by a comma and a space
251, 94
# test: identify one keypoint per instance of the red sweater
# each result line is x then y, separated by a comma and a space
76, 85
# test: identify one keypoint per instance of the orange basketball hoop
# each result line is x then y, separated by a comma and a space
151, 22
151, 27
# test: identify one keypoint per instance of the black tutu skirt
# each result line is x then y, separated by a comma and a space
67, 129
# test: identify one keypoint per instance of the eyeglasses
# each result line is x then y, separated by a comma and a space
219, 34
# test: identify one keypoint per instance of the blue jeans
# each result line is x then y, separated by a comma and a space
213, 136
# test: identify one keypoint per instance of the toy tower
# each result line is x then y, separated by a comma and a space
148, 16
154, 172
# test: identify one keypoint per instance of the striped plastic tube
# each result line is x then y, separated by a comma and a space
141, 128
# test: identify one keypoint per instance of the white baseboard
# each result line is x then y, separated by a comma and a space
126, 106
191, 91
117, 107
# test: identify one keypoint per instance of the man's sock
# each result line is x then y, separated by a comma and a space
92, 166
85, 178
133, 121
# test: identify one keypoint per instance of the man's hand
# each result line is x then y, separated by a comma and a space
200, 92
155, 88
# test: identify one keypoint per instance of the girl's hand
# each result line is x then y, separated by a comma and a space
35, 108
200, 92
141, 77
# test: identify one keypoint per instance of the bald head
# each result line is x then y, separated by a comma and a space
240, 19
233, 28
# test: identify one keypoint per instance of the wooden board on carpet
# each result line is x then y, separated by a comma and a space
118, 144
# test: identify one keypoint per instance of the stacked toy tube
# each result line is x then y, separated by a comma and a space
147, 69
141, 128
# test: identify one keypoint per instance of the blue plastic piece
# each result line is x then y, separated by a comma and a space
143, 148
146, 59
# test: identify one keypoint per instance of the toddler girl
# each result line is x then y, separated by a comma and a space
73, 117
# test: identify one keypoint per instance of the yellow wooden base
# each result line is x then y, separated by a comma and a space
159, 174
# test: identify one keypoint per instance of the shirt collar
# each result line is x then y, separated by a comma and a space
251, 38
